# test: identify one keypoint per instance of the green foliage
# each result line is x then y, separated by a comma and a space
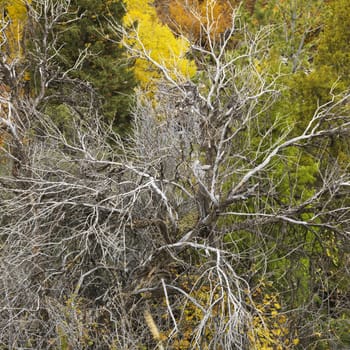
333, 48
304, 264
106, 66
295, 27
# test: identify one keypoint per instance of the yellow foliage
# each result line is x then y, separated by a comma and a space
158, 42
296, 341
191, 315
15, 12
270, 328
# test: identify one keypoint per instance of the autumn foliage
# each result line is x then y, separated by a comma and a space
159, 41
14, 12
197, 18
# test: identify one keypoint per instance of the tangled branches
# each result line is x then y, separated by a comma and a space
96, 230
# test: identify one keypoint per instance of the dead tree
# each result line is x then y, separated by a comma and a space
95, 231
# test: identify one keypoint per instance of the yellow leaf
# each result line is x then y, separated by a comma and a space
276, 332
26, 76
277, 306
274, 313
296, 341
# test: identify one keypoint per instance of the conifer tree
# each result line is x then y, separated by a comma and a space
105, 66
